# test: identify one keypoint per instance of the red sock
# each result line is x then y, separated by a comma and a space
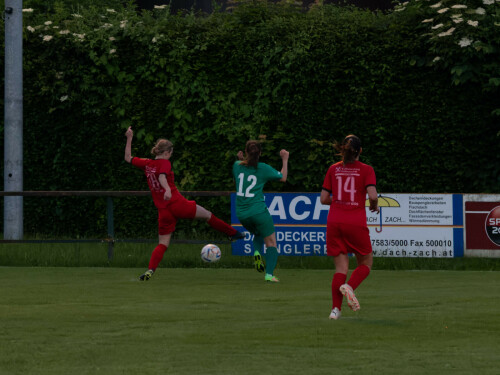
221, 226
337, 281
157, 256
358, 275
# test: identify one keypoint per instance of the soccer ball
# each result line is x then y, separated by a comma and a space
210, 253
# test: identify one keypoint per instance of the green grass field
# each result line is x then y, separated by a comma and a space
188, 256
228, 321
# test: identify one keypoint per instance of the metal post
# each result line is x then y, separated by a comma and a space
13, 109
111, 227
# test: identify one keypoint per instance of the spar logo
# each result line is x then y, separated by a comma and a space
493, 225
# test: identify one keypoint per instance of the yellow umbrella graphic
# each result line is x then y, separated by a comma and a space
383, 202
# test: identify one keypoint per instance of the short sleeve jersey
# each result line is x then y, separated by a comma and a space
250, 183
153, 168
347, 184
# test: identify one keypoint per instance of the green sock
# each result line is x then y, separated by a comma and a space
258, 244
271, 259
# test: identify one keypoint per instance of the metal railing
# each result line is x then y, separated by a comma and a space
110, 239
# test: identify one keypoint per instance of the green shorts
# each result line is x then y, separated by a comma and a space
261, 224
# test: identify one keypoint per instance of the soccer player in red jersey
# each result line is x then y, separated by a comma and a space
344, 189
170, 203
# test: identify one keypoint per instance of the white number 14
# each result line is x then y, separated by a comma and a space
346, 186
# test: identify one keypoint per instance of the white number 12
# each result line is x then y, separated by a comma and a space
252, 179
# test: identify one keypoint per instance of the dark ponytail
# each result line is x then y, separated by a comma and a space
349, 149
253, 150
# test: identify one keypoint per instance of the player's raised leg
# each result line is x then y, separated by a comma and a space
360, 273
258, 246
219, 225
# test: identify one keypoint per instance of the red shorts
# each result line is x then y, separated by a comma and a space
347, 238
180, 208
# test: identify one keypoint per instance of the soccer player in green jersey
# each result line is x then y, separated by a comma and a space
251, 176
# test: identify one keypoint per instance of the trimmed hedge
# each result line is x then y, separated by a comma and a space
295, 80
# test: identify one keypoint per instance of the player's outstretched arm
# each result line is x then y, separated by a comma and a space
373, 197
325, 197
284, 170
128, 146
164, 184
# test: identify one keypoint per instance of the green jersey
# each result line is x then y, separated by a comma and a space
250, 183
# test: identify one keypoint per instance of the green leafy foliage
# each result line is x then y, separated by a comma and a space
295, 80
463, 37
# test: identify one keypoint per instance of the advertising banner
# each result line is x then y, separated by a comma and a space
482, 223
408, 225
418, 225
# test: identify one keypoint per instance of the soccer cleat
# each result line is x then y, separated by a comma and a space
335, 314
237, 236
271, 278
146, 275
258, 262
352, 301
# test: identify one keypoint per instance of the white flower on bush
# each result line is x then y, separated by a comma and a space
443, 10
447, 33
47, 38
79, 36
111, 51
64, 32
47, 23
458, 20
107, 25
459, 6
154, 40
28, 10
110, 10
31, 29
480, 11
76, 15
437, 26
59, 75
63, 98
437, 58
123, 24
465, 42
437, 5
428, 20
160, 6
112, 38
488, 2
472, 23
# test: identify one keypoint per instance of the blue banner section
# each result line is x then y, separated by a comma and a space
303, 241
291, 208
458, 210
300, 223
458, 242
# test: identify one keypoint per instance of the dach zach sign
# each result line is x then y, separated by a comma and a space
408, 225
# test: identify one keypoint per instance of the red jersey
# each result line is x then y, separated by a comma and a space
347, 184
153, 168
